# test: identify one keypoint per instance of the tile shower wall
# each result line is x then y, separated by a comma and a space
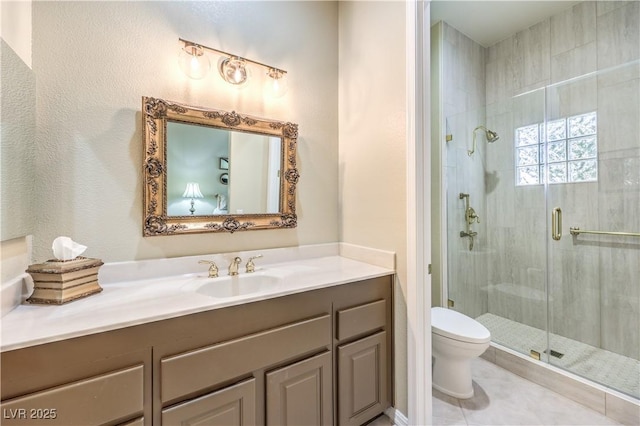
593, 290
464, 109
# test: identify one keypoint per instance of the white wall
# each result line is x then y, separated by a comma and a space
248, 164
373, 145
95, 60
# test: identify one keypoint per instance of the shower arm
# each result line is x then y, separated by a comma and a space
491, 137
473, 147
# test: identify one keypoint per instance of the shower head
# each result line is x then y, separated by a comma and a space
489, 134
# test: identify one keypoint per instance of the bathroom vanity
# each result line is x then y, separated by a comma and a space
310, 354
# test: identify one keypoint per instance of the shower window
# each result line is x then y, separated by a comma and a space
565, 152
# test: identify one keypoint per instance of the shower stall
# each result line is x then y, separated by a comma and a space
550, 263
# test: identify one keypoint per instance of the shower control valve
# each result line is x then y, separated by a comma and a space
471, 216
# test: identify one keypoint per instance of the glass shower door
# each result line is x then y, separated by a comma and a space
516, 228
498, 274
592, 169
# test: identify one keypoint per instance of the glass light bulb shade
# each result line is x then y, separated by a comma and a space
277, 83
234, 71
193, 61
192, 191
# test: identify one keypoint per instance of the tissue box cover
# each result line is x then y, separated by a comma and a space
58, 282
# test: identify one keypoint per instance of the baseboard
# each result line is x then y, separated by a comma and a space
396, 416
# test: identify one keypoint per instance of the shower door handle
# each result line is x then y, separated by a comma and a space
556, 223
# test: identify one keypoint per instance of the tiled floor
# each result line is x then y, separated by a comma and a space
503, 398
619, 372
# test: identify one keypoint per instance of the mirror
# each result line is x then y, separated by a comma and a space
199, 156
208, 170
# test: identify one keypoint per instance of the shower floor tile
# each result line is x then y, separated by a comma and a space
607, 368
503, 398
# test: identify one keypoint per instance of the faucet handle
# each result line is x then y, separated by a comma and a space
213, 268
471, 216
251, 267
233, 267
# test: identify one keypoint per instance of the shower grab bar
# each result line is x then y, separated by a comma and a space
578, 231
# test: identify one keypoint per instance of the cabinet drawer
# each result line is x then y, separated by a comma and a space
232, 406
196, 370
111, 397
361, 319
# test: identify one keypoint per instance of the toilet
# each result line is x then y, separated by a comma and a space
456, 340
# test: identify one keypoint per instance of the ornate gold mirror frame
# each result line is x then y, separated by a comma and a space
156, 113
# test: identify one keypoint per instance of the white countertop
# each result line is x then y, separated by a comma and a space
124, 303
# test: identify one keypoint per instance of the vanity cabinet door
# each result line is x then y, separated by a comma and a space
231, 406
300, 394
362, 379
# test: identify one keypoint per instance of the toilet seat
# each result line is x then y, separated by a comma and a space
454, 325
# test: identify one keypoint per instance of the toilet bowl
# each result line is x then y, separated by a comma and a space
456, 340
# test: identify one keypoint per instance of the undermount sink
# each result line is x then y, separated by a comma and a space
234, 286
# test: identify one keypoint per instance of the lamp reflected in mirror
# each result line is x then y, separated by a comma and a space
192, 192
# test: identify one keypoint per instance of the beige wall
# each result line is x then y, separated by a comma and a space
94, 61
18, 122
372, 105
17, 117
15, 27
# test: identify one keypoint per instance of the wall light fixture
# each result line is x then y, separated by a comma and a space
233, 68
193, 62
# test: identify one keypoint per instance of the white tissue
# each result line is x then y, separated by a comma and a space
66, 249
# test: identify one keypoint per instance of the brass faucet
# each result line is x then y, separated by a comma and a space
251, 267
233, 268
213, 269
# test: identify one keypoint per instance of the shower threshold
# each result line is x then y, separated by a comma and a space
607, 368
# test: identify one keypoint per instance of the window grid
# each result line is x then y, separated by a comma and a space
564, 152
